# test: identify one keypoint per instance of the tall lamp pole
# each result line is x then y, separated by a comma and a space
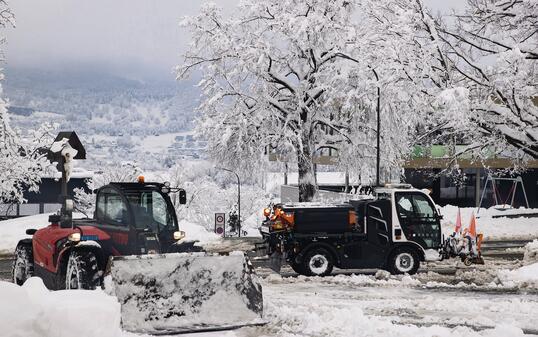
238, 196
378, 108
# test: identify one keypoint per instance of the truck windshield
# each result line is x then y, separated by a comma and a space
151, 210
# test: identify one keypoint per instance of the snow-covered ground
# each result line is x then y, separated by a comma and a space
13, 230
498, 228
342, 305
497, 299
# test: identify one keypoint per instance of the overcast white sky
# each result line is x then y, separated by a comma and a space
138, 36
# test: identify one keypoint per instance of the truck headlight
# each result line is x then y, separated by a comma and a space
179, 235
74, 237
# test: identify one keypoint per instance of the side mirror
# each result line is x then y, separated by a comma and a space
182, 197
439, 215
31, 231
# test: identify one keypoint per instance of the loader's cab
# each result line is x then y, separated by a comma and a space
414, 217
139, 217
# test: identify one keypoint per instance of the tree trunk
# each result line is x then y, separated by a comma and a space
307, 185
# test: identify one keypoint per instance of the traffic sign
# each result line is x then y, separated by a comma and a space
220, 223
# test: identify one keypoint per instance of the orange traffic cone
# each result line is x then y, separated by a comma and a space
458, 222
472, 227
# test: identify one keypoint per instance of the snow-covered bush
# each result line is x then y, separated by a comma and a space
210, 190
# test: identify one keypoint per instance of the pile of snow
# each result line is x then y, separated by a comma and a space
195, 232
34, 311
501, 228
13, 230
381, 278
524, 277
531, 251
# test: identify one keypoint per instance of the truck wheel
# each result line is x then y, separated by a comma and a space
403, 261
23, 265
317, 262
298, 268
82, 271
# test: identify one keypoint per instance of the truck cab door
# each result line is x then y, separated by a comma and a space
418, 219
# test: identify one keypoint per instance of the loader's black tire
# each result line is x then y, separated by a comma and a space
317, 262
403, 260
23, 264
82, 271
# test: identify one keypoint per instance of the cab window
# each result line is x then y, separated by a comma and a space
414, 205
111, 208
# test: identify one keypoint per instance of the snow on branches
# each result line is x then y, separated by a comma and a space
22, 159
493, 49
287, 77
297, 77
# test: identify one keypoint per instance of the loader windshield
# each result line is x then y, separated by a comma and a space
151, 210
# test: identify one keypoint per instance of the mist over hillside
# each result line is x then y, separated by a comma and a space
115, 115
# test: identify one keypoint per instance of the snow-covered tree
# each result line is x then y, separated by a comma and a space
278, 76
22, 159
493, 48
408, 72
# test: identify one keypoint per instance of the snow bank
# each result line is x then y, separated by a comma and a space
13, 230
524, 277
493, 228
34, 311
531, 251
197, 232
381, 278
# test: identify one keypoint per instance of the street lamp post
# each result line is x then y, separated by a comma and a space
238, 196
378, 110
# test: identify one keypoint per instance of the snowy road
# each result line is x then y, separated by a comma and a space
465, 303
396, 303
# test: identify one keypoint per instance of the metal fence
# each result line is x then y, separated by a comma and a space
18, 210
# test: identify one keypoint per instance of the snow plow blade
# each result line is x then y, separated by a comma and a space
185, 292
